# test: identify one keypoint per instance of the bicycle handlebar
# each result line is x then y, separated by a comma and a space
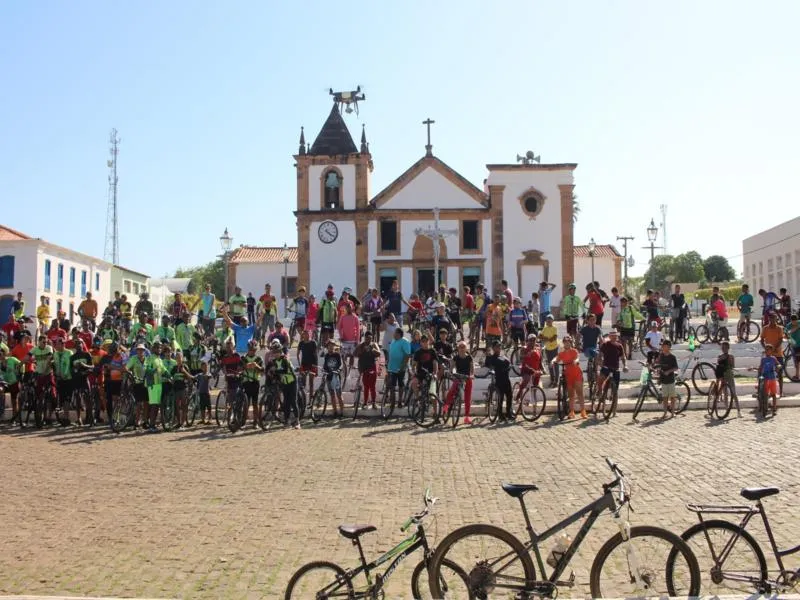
417, 518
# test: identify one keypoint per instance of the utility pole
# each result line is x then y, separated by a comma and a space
625, 239
111, 251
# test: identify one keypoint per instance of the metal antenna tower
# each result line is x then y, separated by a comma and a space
663, 208
111, 253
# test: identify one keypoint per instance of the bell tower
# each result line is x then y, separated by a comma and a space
332, 196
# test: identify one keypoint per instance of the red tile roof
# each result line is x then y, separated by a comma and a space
262, 254
600, 250
8, 234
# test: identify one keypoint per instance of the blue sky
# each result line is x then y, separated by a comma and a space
692, 104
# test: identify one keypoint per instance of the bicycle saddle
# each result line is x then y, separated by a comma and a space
516, 490
351, 532
756, 493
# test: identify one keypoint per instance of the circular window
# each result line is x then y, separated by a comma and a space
532, 204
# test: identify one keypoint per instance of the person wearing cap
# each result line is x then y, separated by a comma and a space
43, 315
328, 315
332, 368
652, 341
440, 320
144, 306
571, 308
368, 353
281, 367
530, 366
573, 376
11, 373
611, 353
626, 323
549, 336
299, 307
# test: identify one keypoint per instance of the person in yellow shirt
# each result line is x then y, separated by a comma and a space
549, 337
43, 315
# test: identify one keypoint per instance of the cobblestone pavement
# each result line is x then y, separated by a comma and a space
203, 514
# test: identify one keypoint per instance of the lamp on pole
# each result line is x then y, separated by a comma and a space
652, 233
592, 248
226, 241
285, 257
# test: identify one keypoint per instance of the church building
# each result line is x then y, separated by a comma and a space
519, 227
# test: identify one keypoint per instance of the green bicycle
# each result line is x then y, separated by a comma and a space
323, 579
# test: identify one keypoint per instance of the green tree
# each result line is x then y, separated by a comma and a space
213, 273
663, 266
688, 267
718, 269
576, 208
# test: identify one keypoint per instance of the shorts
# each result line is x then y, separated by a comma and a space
268, 321
573, 374
627, 333
375, 320
300, 323
590, 352
334, 383
113, 388
744, 317
771, 387
348, 348
397, 379
327, 328
205, 401
668, 390
572, 326
313, 369
491, 339
154, 394
517, 335
605, 372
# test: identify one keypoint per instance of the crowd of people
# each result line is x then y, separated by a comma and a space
407, 339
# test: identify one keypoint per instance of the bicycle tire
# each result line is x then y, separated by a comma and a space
712, 394
701, 333
192, 407
214, 369
417, 590
723, 401
39, 409
388, 402
478, 588
531, 405
607, 406
221, 408
168, 416
790, 368
455, 410
562, 399
640, 531
763, 400
356, 401
708, 564
94, 398
319, 403
236, 415
427, 412
723, 335
702, 376
516, 367
339, 577
643, 393
266, 407
683, 398
492, 404
122, 413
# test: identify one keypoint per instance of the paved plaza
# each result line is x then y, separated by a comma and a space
206, 514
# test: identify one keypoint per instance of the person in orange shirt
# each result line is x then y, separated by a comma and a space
88, 309
21, 350
494, 323
572, 375
772, 333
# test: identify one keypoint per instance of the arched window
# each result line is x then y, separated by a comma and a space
332, 189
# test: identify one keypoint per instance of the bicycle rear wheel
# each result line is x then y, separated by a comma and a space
169, 420
193, 407
123, 412
236, 414
562, 399
723, 401
643, 394
651, 548
388, 402
497, 562
749, 332
319, 403
607, 404
701, 334
702, 376
221, 408
516, 359
684, 394
736, 571
492, 404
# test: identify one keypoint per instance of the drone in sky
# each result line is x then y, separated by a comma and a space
349, 99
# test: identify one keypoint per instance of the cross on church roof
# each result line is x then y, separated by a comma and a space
428, 147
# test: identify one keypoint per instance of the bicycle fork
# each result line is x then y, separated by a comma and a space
634, 568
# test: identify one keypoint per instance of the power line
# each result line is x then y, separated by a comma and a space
765, 247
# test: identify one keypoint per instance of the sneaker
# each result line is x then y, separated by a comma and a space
467, 421
297, 425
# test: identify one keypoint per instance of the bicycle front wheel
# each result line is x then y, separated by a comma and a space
452, 575
492, 404
221, 408
723, 401
701, 333
193, 408
122, 413
498, 564
319, 403
387, 402
427, 411
738, 570
169, 420
683, 395
532, 403
320, 579
652, 562
702, 376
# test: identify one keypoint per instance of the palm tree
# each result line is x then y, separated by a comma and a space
576, 208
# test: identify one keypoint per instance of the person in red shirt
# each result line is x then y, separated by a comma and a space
56, 332
178, 308
416, 309
596, 302
86, 335
531, 366
10, 329
21, 350
344, 302
349, 328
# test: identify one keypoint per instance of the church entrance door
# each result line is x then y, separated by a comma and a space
426, 282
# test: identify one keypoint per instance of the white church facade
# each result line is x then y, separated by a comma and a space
519, 227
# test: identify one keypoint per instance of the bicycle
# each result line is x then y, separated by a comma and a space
748, 330
323, 579
731, 560
605, 401
649, 389
763, 399
452, 410
499, 564
426, 401
491, 397
720, 399
124, 411
532, 399
237, 409
319, 402
713, 329
562, 396
388, 399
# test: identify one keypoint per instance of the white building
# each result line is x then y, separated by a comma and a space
772, 259
251, 267
518, 227
37, 268
162, 292
607, 267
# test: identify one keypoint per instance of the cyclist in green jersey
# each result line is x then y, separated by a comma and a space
180, 375
141, 331
165, 331
42, 356
11, 373
253, 367
184, 332
136, 367
169, 363
194, 354
62, 368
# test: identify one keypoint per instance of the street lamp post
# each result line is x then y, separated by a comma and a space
226, 241
592, 248
652, 233
285, 257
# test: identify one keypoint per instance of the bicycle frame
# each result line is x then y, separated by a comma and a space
592, 511
749, 512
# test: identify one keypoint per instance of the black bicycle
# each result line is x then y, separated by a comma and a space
323, 579
731, 560
681, 399
633, 563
